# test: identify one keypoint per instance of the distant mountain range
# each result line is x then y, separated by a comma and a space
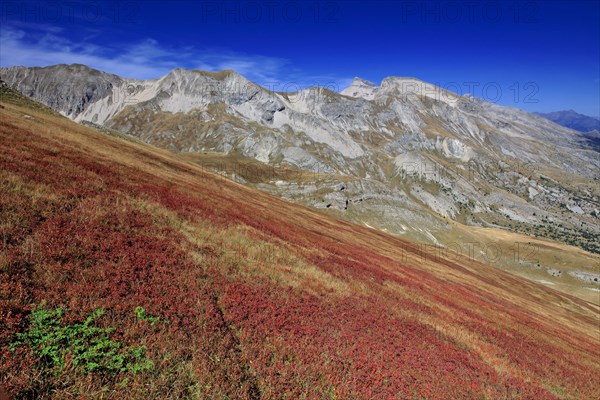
573, 120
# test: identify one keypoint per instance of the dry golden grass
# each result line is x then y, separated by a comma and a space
241, 248
520, 254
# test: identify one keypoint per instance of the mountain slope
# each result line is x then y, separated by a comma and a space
405, 156
249, 296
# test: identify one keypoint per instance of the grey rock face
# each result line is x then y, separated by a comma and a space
69, 89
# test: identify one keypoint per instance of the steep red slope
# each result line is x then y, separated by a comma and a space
257, 297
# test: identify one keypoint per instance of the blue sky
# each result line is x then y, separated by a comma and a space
535, 55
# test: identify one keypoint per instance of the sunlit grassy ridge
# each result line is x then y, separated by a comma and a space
257, 297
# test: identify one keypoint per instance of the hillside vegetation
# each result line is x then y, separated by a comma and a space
126, 273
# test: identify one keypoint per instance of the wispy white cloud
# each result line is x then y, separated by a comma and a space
143, 60
148, 59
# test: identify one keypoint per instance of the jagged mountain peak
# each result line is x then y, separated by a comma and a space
361, 88
399, 79
399, 86
360, 81
405, 86
196, 76
219, 75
